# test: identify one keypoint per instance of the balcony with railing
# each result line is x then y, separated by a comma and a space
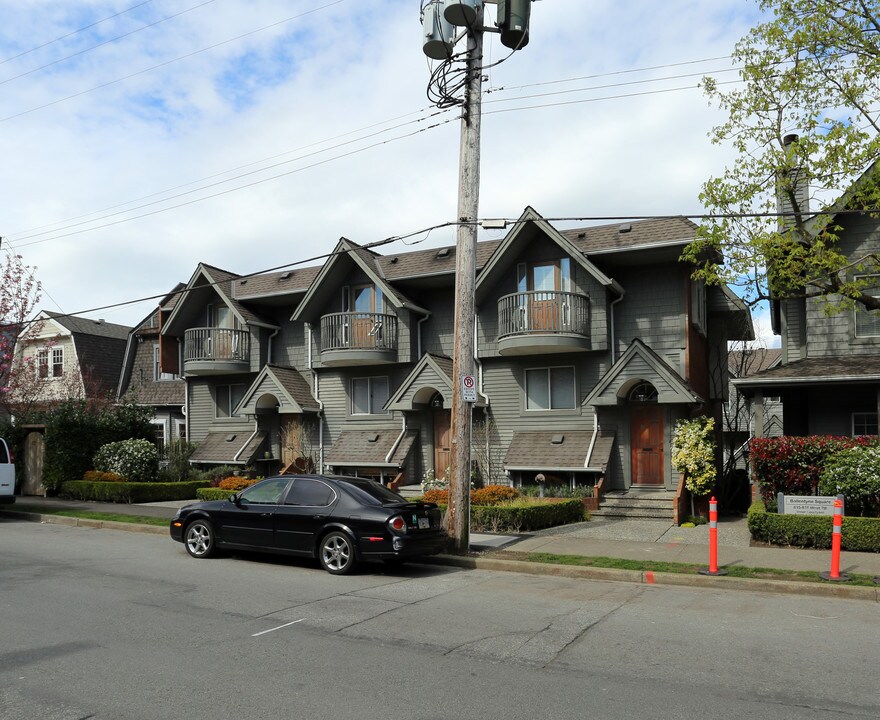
358, 338
216, 351
540, 322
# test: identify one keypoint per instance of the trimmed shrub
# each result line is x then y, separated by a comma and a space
858, 533
212, 493
793, 465
129, 492
441, 497
493, 494
854, 473
98, 476
135, 460
519, 515
235, 483
178, 453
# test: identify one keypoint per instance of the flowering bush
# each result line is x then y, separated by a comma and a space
429, 482
493, 494
793, 465
98, 476
854, 473
235, 483
693, 453
135, 460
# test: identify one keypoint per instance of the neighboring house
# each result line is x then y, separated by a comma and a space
828, 377
591, 343
71, 357
142, 381
738, 413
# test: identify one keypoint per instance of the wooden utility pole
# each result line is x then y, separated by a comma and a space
465, 282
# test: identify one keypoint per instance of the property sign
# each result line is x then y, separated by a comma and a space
469, 388
806, 504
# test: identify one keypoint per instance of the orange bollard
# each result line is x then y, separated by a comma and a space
837, 530
713, 541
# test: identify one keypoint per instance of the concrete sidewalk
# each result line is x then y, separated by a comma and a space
601, 537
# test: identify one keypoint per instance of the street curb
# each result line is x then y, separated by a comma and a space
788, 587
86, 522
642, 577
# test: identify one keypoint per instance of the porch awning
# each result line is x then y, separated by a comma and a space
559, 451
371, 448
228, 448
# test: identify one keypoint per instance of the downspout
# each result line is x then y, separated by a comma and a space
419, 335
318, 398
613, 342
398, 441
483, 395
592, 442
269, 346
248, 441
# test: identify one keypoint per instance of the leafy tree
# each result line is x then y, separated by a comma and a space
19, 294
812, 69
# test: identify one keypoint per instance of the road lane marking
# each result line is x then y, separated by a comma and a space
277, 628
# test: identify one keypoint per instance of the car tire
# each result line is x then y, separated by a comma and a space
336, 553
199, 539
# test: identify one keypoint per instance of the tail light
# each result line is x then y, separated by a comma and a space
397, 525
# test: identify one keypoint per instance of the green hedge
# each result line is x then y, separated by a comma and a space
213, 493
858, 533
519, 516
130, 492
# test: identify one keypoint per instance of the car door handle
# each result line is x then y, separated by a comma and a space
319, 517
265, 514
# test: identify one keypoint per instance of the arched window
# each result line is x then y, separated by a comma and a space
643, 392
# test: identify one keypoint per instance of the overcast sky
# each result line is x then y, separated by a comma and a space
251, 134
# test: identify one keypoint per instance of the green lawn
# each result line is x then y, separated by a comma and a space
88, 515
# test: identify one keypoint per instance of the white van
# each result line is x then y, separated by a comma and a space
7, 475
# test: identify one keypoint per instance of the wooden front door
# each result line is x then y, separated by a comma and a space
442, 442
647, 445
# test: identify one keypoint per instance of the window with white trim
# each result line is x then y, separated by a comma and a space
867, 322
160, 437
227, 398
50, 362
369, 395
864, 423
550, 388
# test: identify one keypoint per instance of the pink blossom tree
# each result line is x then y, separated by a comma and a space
19, 295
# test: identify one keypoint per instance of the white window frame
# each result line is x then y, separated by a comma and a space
860, 310
52, 359
372, 409
164, 426
549, 371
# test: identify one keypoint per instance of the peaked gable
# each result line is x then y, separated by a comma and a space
517, 239
286, 385
433, 373
641, 364
323, 285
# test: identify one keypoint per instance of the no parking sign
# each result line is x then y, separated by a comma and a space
468, 388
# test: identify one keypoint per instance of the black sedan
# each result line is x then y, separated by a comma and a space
340, 520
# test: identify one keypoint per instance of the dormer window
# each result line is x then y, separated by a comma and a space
545, 276
362, 299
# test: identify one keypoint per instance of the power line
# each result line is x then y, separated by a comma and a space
168, 62
105, 42
74, 32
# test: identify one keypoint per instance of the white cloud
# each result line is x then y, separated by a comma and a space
341, 68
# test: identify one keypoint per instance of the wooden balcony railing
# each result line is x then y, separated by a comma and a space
358, 331
543, 312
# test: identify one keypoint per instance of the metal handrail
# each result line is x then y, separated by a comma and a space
543, 311
219, 344
358, 331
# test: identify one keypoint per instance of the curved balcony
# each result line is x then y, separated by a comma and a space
542, 322
216, 351
355, 338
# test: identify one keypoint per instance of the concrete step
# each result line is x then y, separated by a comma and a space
636, 505
642, 513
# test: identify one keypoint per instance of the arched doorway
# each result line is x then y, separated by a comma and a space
646, 433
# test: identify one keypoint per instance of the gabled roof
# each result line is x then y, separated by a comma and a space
367, 261
431, 373
756, 360
640, 363
285, 282
845, 369
633, 236
222, 282
819, 222
87, 326
286, 385
519, 237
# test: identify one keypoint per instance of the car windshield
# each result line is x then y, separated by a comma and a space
370, 492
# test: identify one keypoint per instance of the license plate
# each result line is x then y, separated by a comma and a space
424, 523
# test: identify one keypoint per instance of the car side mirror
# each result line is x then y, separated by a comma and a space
234, 499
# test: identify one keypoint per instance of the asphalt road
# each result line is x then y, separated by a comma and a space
121, 626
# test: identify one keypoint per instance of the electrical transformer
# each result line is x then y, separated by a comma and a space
513, 20
438, 32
